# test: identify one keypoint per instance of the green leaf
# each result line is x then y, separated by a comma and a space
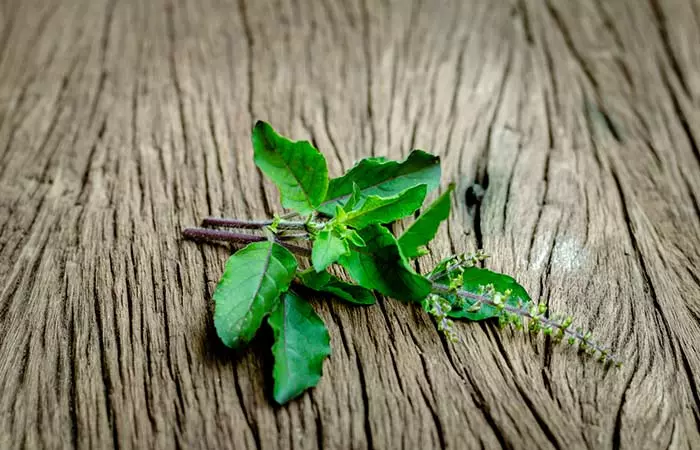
381, 266
328, 247
249, 289
374, 209
476, 277
297, 168
301, 344
423, 230
354, 238
325, 282
354, 198
384, 178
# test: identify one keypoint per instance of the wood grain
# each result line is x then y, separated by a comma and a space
121, 122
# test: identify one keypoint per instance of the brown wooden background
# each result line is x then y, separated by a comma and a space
121, 122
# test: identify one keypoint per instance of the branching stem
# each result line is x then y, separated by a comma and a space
206, 234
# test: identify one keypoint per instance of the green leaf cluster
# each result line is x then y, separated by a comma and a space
347, 222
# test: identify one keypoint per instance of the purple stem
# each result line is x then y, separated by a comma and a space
238, 223
205, 234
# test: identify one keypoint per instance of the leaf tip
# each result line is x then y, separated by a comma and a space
260, 125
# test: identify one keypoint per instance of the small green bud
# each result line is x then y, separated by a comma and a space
533, 310
444, 303
498, 299
534, 325
275, 223
475, 307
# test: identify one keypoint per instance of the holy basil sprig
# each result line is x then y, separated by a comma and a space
344, 219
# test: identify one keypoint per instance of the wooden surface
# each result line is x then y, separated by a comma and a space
121, 122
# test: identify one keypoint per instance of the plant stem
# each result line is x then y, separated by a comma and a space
444, 289
205, 234
253, 224
292, 236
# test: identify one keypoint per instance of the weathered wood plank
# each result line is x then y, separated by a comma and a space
123, 121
